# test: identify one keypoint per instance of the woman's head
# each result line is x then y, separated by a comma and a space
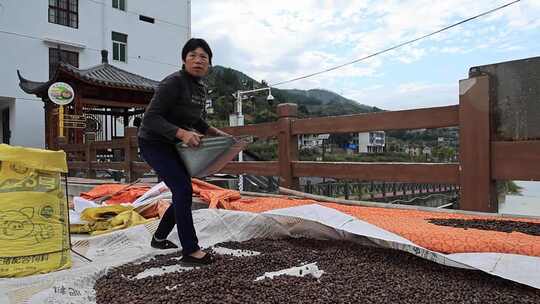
197, 57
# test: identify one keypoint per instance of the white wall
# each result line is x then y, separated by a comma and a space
27, 128
363, 142
148, 44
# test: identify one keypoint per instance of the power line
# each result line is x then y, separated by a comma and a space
396, 46
91, 49
137, 14
21, 35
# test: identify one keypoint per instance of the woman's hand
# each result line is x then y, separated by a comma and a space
192, 139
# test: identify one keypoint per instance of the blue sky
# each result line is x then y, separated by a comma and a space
281, 40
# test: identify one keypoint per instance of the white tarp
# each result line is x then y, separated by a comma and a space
215, 226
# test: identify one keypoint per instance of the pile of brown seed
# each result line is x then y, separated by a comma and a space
493, 225
352, 274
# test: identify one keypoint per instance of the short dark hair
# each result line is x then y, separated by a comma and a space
194, 43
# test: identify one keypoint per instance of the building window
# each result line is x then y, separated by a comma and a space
119, 45
64, 12
57, 55
119, 4
146, 19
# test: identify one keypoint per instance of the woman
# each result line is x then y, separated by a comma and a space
173, 115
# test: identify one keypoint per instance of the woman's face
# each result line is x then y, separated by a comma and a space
197, 62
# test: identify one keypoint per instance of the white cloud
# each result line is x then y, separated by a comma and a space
407, 96
452, 49
280, 40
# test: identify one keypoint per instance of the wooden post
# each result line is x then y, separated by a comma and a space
288, 145
89, 139
126, 118
78, 110
47, 111
131, 153
477, 188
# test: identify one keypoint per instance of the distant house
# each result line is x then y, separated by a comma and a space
418, 151
371, 142
308, 141
413, 151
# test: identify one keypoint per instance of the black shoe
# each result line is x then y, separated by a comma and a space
188, 260
165, 244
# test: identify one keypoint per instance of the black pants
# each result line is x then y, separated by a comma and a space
164, 159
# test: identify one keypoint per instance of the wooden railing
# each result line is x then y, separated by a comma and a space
289, 168
85, 156
482, 161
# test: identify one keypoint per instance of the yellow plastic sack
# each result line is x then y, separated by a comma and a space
34, 235
107, 219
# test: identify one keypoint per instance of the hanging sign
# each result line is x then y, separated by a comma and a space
74, 121
61, 93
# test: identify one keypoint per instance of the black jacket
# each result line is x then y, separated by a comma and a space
178, 102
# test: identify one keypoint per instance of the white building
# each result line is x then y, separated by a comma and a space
307, 141
413, 151
141, 36
371, 142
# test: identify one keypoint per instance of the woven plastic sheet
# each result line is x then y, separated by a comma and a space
214, 226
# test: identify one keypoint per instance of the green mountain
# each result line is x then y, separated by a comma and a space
326, 103
224, 82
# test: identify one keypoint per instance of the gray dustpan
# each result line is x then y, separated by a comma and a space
211, 155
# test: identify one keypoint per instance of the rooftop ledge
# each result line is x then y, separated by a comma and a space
49, 40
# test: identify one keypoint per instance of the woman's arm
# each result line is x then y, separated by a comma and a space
213, 131
167, 93
203, 127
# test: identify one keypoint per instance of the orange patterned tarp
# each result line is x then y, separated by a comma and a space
410, 224
119, 193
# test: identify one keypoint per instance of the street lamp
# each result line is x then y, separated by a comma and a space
237, 119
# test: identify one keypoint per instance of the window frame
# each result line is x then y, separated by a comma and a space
71, 13
117, 4
147, 19
119, 44
64, 54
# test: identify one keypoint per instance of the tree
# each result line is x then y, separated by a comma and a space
340, 139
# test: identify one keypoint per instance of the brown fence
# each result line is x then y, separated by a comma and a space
117, 155
482, 160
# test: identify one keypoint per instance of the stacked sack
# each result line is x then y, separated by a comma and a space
34, 231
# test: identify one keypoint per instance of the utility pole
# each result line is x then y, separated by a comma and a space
236, 119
